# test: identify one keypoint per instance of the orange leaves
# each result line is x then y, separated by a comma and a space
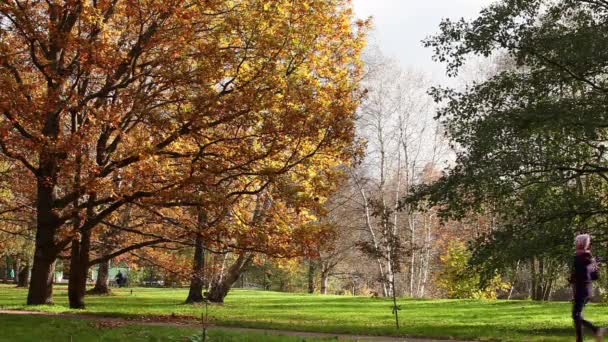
210, 102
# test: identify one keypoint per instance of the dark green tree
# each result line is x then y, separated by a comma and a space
530, 140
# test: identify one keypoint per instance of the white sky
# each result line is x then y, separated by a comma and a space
400, 25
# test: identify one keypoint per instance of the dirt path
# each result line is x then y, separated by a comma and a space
107, 321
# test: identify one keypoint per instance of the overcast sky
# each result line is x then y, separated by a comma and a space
400, 25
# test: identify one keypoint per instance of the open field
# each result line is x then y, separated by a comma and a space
61, 329
462, 319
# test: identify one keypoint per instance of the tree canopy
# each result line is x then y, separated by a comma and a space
531, 139
113, 102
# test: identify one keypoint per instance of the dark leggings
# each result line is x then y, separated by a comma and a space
581, 298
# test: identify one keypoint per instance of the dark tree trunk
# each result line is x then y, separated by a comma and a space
311, 276
47, 218
79, 269
40, 291
102, 284
79, 261
197, 282
222, 285
24, 275
47, 222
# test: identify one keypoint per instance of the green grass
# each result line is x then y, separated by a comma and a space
464, 319
51, 329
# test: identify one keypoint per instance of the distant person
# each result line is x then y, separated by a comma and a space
584, 270
120, 279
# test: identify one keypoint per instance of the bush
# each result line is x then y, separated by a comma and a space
459, 282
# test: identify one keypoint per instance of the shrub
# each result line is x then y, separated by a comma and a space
459, 281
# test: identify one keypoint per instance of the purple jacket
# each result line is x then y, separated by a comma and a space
584, 270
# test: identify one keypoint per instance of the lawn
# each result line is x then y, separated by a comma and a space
51, 329
464, 319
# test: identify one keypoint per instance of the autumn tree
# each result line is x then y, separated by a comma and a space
284, 221
154, 91
16, 222
129, 229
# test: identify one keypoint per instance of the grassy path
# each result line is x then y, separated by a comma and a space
435, 319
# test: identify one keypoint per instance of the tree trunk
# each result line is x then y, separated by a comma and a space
16, 270
6, 271
324, 282
390, 276
513, 280
368, 223
532, 279
311, 276
41, 288
24, 275
79, 269
427, 258
267, 281
541, 282
548, 278
537, 290
40, 291
413, 251
221, 286
547, 290
197, 282
102, 284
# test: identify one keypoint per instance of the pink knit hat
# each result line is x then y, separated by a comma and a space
582, 242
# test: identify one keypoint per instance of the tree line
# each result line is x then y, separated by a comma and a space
214, 139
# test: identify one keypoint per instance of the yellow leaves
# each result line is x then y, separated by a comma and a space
92, 16
253, 91
459, 281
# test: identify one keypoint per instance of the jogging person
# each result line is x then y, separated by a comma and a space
584, 271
